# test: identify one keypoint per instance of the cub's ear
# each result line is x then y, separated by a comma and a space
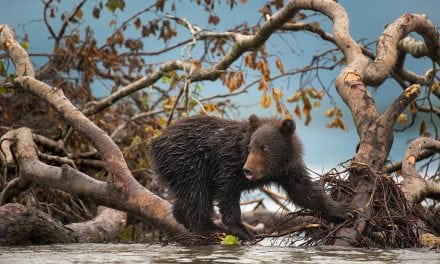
287, 127
254, 122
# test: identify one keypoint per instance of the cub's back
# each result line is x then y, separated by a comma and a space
198, 145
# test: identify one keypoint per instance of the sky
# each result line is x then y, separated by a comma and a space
324, 148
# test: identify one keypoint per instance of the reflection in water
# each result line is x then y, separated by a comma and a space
138, 253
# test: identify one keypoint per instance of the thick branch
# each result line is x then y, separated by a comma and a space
416, 48
388, 118
386, 57
126, 193
414, 186
24, 225
106, 226
22, 62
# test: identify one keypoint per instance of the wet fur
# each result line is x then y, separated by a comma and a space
201, 159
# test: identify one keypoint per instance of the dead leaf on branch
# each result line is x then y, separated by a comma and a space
266, 100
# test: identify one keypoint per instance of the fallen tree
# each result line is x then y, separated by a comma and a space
389, 210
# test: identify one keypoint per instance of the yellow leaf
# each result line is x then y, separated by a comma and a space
316, 104
295, 97
277, 93
435, 87
402, 119
79, 14
169, 103
162, 121
330, 112
313, 93
149, 129
266, 100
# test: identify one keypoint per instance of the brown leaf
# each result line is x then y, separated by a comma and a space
279, 65
413, 108
213, 20
262, 84
308, 118
298, 111
137, 23
160, 4
307, 105
112, 23
276, 94
264, 69
96, 12
249, 60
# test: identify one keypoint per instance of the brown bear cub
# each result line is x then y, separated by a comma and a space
203, 158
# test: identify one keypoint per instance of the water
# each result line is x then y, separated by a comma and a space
140, 253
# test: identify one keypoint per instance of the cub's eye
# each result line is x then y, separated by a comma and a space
263, 148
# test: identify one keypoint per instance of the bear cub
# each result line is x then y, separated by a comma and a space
203, 158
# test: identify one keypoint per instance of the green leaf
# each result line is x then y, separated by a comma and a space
3, 90
230, 240
198, 88
145, 100
112, 5
166, 79
25, 45
135, 142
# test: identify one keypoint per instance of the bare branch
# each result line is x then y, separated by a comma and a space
68, 20
416, 48
23, 65
138, 200
386, 57
135, 86
414, 186
130, 197
388, 118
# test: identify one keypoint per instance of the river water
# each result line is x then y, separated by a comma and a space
141, 253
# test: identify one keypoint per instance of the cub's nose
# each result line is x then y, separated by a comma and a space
247, 171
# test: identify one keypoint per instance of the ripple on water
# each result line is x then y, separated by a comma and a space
140, 253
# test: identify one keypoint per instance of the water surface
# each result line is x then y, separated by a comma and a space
141, 253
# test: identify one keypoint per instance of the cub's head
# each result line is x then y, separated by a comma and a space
272, 147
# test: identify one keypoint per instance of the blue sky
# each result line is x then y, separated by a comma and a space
324, 147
